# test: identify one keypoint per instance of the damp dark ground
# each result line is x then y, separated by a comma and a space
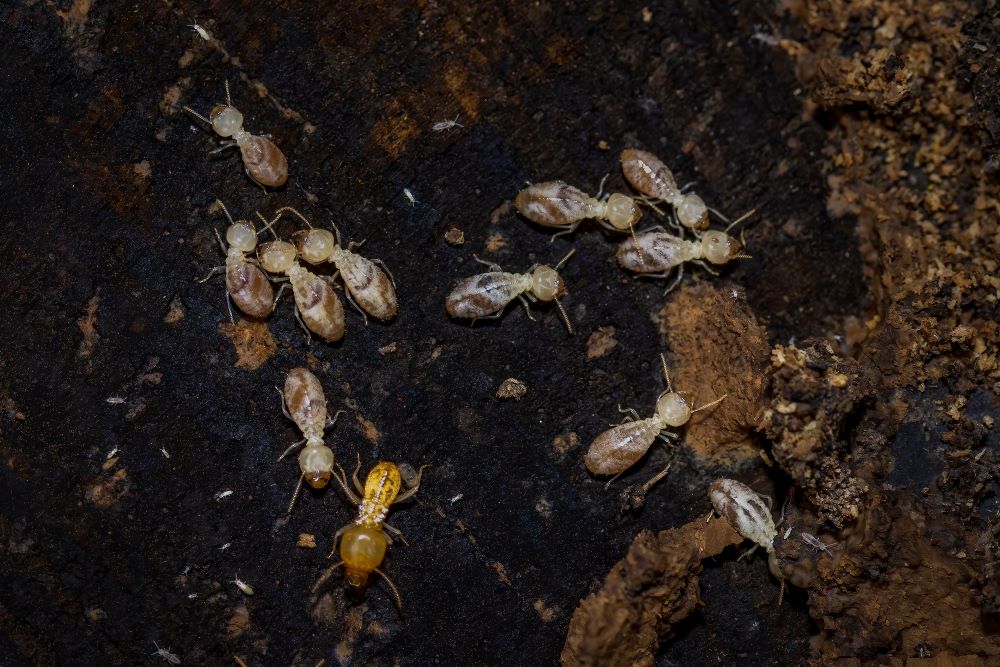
107, 192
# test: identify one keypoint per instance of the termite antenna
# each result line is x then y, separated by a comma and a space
565, 259
197, 115
229, 100
323, 578
395, 592
781, 595
295, 496
708, 405
666, 373
268, 225
740, 219
336, 232
742, 255
290, 209
225, 211
565, 317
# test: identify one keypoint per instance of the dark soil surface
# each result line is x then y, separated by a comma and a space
867, 314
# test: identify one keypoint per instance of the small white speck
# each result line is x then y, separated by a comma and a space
457, 498
788, 532
111, 453
166, 454
409, 196
225, 546
192, 596
223, 494
114, 400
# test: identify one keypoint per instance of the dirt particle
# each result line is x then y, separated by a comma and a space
647, 15
306, 541
544, 507
170, 102
564, 443
95, 614
238, 621
142, 169
512, 388
175, 313
601, 342
387, 349
501, 571
495, 242
106, 490
354, 618
368, 428
545, 612
87, 323
603, 145
500, 212
454, 236
252, 341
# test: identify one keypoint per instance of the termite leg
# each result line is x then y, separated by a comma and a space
229, 307
304, 327
342, 480
336, 537
292, 448
406, 495
211, 273
386, 269
668, 437
355, 244
395, 532
284, 409
748, 552
354, 477
706, 267
492, 265
720, 216
281, 290
226, 146
569, 230
494, 316
350, 300
633, 415
333, 420
527, 308
600, 189
677, 280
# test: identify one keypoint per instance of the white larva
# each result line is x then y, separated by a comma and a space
243, 586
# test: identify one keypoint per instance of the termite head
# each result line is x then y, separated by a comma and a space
362, 548
315, 245
316, 463
226, 120
673, 409
242, 236
547, 284
692, 212
276, 256
719, 247
622, 211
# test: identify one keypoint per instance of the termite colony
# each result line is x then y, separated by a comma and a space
314, 263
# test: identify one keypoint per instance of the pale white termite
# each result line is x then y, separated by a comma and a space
747, 512
446, 124
369, 288
243, 586
246, 284
647, 174
263, 160
816, 543
165, 654
304, 402
316, 304
562, 206
617, 449
654, 254
485, 295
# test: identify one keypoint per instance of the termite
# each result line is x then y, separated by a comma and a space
647, 174
747, 512
363, 543
304, 402
654, 254
617, 449
370, 288
243, 586
562, 206
486, 295
446, 124
264, 162
316, 304
817, 544
246, 284
165, 654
